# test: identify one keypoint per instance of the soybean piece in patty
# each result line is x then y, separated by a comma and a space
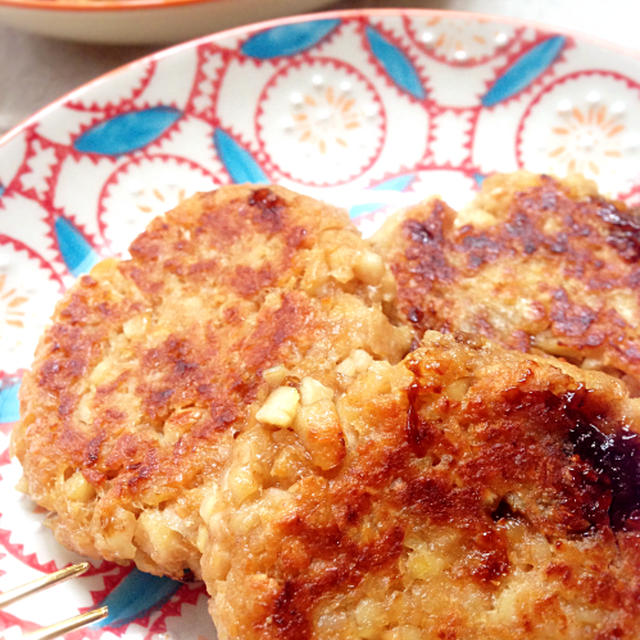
483, 493
534, 263
152, 365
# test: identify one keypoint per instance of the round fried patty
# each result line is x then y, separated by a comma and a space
152, 365
533, 262
483, 493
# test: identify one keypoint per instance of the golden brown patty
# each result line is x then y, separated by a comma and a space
484, 493
534, 263
152, 364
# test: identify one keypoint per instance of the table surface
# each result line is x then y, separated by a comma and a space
35, 70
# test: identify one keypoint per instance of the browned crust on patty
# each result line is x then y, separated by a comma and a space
151, 365
476, 500
533, 262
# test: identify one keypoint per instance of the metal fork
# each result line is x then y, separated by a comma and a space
57, 629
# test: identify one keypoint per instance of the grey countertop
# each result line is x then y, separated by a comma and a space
35, 70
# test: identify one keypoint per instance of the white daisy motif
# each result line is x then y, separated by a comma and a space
587, 124
321, 121
27, 296
461, 41
11, 304
141, 190
586, 135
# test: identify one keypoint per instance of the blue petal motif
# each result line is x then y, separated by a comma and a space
288, 39
9, 405
479, 178
2, 189
524, 70
77, 253
240, 164
367, 207
396, 64
127, 131
398, 183
135, 595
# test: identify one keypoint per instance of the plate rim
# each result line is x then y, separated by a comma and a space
282, 21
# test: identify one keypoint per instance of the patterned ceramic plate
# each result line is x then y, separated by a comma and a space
370, 110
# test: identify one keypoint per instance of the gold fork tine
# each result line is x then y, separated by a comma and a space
42, 583
60, 628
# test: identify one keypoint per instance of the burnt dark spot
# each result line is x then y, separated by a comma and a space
625, 233
425, 247
66, 404
633, 279
346, 564
92, 452
419, 232
205, 389
160, 397
617, 218
595, 339
489, 565
632, 352
488, 560
352, 514
627, 244
475, 261
418, 434
481, 249
520, 340
561, 571
182, 366
144, 472
616, 460
548, 200
570, 319
270, 206
503, 511
560, 244
429, 267
247, 281
481, 241
519, 225
187, 576
415, 315
597, 283
49, 368
435, 498
223, 416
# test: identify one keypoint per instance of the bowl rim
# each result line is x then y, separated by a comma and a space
294, 19
93, 6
